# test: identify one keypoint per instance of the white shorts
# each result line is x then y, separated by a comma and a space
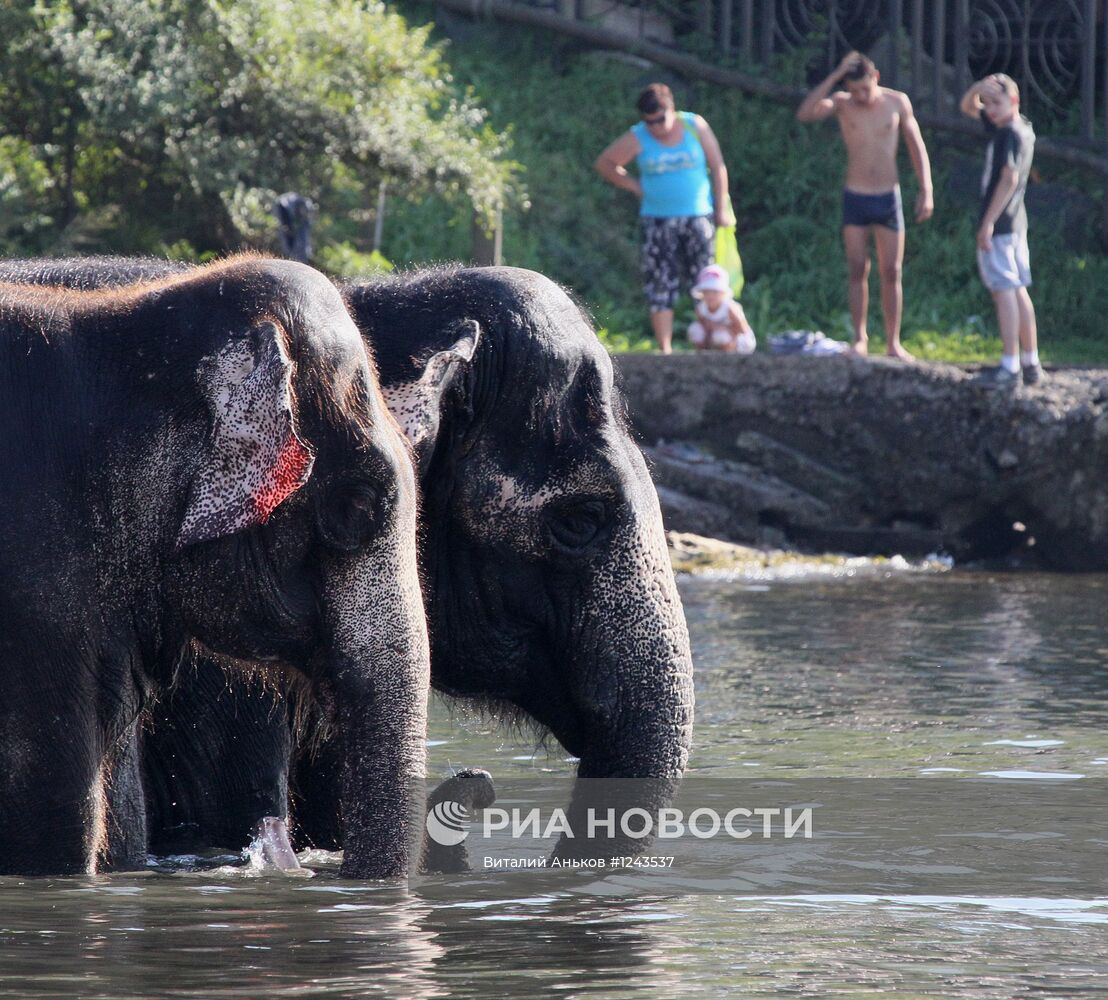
718, 337
721, 339
1007, 265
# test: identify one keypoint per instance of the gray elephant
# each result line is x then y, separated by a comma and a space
205, 459
548, 588
548, 585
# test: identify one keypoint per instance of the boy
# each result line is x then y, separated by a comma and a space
871, 120
1002, 255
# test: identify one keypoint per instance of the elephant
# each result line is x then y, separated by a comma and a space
205, 461
549, 594
550, 597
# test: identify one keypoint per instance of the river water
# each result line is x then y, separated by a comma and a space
876, 676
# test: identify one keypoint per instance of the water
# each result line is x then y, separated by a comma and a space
935, 676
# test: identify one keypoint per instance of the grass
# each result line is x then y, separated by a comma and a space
563, 104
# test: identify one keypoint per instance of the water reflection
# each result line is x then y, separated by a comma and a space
167, 938
164, 936
524, 945
172, 938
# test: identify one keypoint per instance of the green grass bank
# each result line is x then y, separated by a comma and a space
563, 103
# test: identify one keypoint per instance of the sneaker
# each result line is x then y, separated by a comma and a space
998, 378
1032, 374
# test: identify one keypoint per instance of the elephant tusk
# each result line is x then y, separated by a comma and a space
273, 834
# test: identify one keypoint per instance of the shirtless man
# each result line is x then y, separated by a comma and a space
872, 118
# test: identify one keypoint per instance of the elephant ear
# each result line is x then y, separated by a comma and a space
253, 457
417, 405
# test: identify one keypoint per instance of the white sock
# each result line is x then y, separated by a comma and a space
1011, 362
1029, 358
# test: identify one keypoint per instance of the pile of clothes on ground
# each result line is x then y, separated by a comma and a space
813, 342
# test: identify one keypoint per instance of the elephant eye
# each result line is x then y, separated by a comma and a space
348, 513
573, 527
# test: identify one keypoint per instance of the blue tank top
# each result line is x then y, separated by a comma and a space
674, 178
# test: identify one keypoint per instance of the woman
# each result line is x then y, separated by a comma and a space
682, 186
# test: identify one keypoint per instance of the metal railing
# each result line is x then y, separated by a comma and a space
1056, 50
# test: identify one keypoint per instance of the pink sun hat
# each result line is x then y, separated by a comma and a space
712, 278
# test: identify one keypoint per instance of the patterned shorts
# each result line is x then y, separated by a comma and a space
674, 251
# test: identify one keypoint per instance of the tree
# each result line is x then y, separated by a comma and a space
202, 110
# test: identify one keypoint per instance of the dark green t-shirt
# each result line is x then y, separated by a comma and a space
1013, 146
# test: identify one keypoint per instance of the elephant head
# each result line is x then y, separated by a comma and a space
547, 581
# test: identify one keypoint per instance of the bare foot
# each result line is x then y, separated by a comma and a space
897, 351
859, 349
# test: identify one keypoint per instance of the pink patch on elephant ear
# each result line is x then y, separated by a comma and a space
290, 472
253, 459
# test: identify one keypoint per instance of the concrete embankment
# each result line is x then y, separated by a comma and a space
876, 457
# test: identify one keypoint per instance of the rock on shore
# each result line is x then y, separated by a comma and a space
876, 456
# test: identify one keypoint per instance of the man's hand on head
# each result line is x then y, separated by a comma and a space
847, 62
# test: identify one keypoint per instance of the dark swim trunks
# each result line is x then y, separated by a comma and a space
873, 209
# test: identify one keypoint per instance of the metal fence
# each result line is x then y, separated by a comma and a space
1057, 50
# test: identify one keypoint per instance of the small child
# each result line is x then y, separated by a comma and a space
720, 322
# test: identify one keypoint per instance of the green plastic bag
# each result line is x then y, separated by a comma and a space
727, 246
728, 257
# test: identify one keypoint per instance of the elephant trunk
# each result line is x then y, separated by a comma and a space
637, 698
639, 768
381, 675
